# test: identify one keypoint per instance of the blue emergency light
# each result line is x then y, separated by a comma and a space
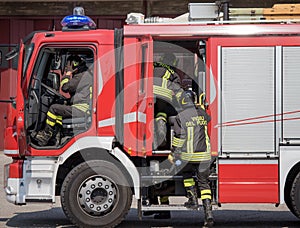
77, 21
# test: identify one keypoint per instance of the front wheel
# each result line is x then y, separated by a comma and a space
96, 194
294, 203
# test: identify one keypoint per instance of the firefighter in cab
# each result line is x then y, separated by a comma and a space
191, 151
78, 83
166, 85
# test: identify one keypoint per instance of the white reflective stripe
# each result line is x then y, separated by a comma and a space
128, 118
142, 117
207, 141
10, 151
99, 78
131, 117
251, 162
212, 89
190, 140
107, 122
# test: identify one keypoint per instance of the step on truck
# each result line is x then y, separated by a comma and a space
97, 164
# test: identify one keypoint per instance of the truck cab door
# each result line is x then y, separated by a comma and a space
15, 142
138, 95
145, 107
21, 135
15, 138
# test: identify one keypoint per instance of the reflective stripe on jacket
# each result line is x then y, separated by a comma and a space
190, 134
166, 81
80, 88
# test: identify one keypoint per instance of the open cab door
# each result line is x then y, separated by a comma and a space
145, 107
138, 95
15, 137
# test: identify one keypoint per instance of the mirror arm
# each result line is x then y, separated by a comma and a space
12, 101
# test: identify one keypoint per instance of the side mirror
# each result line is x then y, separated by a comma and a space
55, 63
12, 54
53, 80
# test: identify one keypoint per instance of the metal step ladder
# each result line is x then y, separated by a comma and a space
171, 207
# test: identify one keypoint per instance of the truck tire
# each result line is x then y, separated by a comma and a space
96, 194
295, 196
289, 204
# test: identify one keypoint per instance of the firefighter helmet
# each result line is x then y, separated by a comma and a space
75, 61
169, 59
187, 98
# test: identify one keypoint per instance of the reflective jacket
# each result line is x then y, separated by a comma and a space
166, 82
79, 87
190, 135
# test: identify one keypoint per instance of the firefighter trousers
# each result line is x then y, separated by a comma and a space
163, 110
201, 171
57, 112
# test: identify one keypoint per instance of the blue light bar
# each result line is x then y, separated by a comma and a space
77, 22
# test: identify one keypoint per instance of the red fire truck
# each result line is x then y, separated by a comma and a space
249, 71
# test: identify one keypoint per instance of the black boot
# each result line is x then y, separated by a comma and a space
192, 202
43, 136
160, 140
209, 220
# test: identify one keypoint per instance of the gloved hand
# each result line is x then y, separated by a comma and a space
171, 158
64, 80
175, 157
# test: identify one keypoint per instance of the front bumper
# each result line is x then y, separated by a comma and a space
15, 191
14, 184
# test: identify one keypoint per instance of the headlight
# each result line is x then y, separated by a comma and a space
6, 174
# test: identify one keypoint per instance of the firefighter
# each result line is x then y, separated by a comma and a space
166, 85
191, 146
78, 83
